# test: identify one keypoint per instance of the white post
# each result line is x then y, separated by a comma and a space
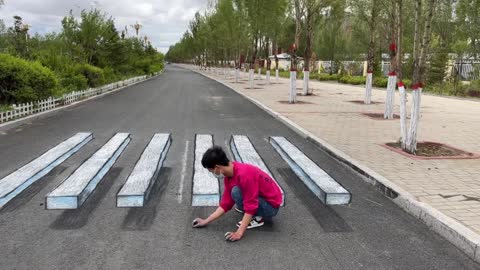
293, 87
259, 73
276, 75
414, 119
236, 75
390, 99
268, 77
368, 88
250, 77
306, 78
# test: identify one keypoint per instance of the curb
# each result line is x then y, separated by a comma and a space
15, 123
453, 231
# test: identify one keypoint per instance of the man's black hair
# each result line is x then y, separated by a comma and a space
214, 156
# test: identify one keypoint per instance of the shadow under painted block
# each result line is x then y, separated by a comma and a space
77, 218
141, 219
325, 215
27, 195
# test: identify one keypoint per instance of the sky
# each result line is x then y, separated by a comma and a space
163, 21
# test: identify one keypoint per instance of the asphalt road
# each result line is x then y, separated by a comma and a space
371, 233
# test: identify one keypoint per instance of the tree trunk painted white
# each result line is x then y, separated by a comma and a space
368, 88
403, 114
293, 87
236, 75
411, 145
268, 77
276, 75
306, 78
250, 77
259, 73
390, 99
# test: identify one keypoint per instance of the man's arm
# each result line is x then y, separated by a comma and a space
198, 222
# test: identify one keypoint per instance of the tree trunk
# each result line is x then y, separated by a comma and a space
392, 76
399, 40
298, 31
401, 87
254, 54
371, 53
308, 51
419, 73
427, 34
416, 39
298, 22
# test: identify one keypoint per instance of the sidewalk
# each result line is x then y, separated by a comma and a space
450, 186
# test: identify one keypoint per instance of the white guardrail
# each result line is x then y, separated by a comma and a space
24, 109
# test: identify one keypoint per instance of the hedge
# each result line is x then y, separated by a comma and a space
24, 81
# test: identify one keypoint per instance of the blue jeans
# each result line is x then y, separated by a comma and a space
264, 210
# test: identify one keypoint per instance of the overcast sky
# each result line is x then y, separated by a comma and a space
164, 21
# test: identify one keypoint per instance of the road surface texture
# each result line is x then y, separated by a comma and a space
370, 233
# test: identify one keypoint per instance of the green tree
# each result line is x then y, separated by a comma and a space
18, 37
468, 19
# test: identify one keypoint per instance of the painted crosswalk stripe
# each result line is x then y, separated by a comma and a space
19, 180
73, 192
244, 151
328, 190
205, 186
139, 183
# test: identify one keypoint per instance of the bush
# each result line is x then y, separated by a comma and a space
142, 66
73, 82
380, 82
156, 67
474, 89
407, 83
355, 80
328, 77
4, 108
25, 81
110, 75
94, 75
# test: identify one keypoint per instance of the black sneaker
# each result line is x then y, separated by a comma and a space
239, 210
254, 223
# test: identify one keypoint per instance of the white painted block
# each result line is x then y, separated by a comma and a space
206, 191
329, 191
74, 191
19, 180
244, 151
140, 181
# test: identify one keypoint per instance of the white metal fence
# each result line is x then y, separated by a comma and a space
22, 110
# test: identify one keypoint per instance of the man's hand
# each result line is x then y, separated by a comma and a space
233, 236
198, 223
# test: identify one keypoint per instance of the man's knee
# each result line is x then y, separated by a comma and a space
236, 194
